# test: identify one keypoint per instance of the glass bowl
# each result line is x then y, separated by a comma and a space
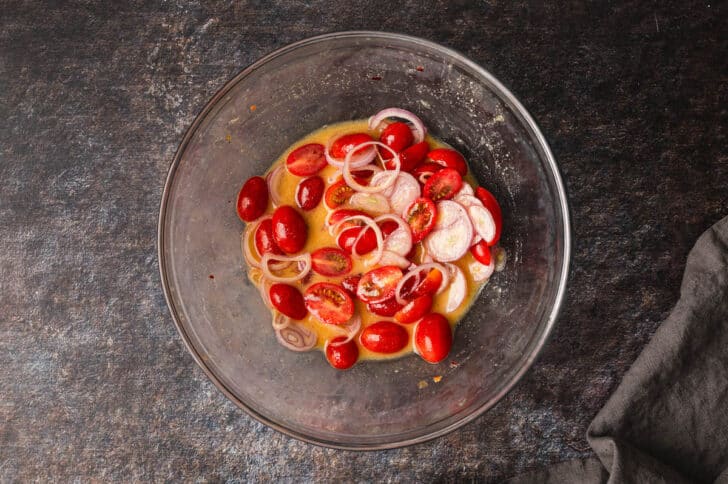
220, 315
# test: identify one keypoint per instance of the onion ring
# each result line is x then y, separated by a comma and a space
273, 179
419, 130
352, 329
377, 233
296, 337
295, 258
349, 179
245, 243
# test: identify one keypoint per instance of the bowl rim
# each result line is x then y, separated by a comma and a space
518, 108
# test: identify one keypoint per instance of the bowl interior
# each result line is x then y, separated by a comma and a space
246, 126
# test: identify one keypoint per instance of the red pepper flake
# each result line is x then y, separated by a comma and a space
253, 107
211, 276
376, 78
420, 68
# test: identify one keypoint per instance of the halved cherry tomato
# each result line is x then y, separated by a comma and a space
252, 199
491, 204
309, 192
397, 136
414, 309
384, 337
344, 144
288, 300
481, 252
428, 168
420, 216
430, 284
264, 241
342, 213
433, 338
449, 159
366, 244
388, 307
350, 283
443, 185
343, 355
387, 227
306, 160
289, 229
379, 284
330, 261
329, 303
338, 194
410, 158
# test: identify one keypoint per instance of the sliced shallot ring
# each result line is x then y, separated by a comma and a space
399, 241
296, 337
264, 290
377, 233
419, 130
390, 258
273, 179
280, 321
349, 178
352, 328
245, 243
467, 200
450, 244
306, 258
483, 222
466, 189
416, 273
449, 213
480, 272
358, 161
405, 190
458, 288
370, 202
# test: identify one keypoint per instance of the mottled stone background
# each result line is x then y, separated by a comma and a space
95, 383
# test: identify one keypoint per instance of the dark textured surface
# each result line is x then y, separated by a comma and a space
94, 380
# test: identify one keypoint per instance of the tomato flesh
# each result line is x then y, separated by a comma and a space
384, 337
330, 261
433, 338
388, 307
306, 160
252, 199
344, 144
338, 194
350, 283
264, 241
414, 309
481, 252
329, 303
430, 284
289, 229
427, 168
397, 136
309, 192
421, 216
410, 158
443, 185
491, 204
366, 244
378, 284
288, 300
343, 355
449, 159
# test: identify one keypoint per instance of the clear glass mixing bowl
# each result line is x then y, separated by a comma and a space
222, 320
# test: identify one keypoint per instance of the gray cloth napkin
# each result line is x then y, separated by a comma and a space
668, 419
